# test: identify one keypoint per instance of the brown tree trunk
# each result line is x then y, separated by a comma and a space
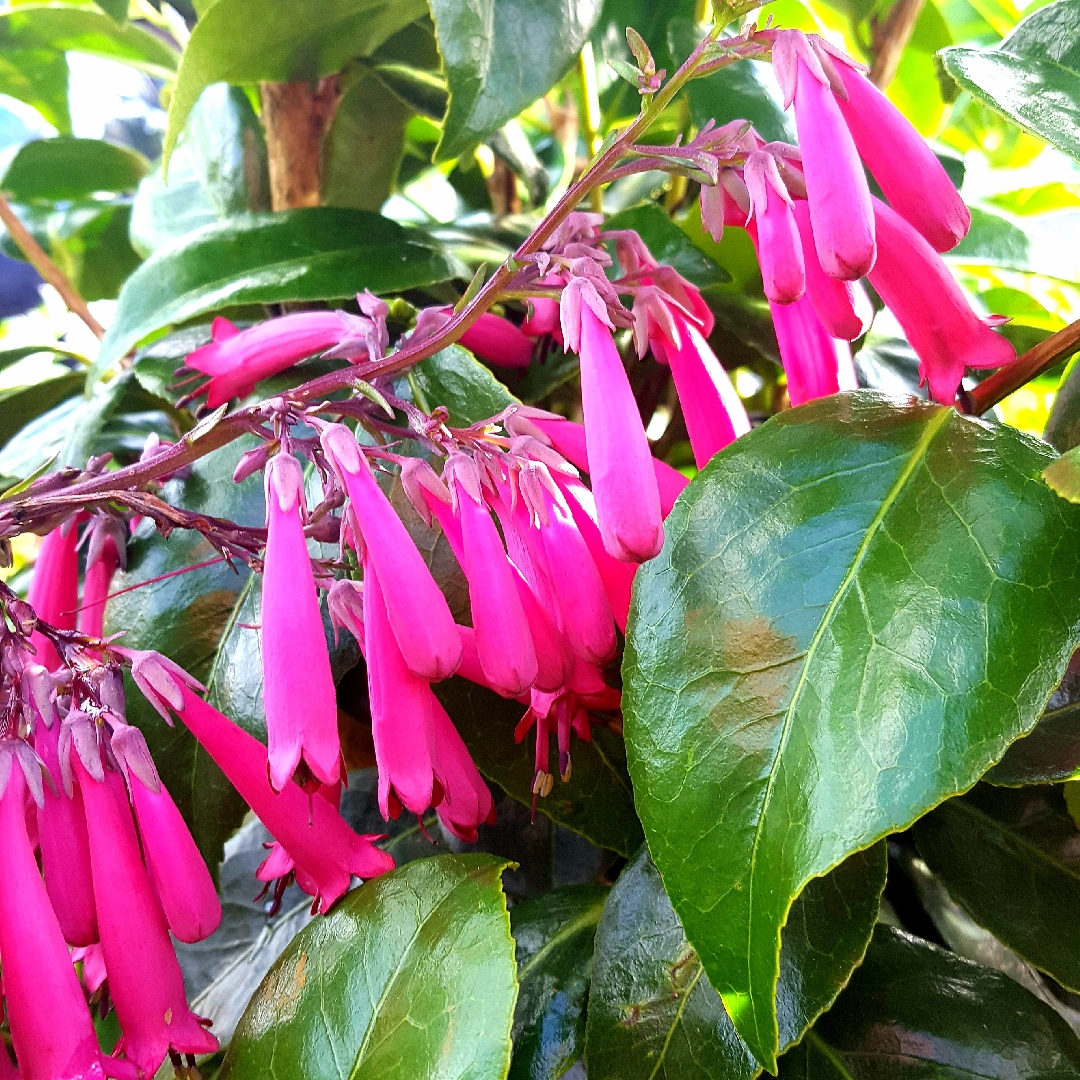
296, 117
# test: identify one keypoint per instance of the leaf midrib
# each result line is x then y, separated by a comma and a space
589, 917
916, 458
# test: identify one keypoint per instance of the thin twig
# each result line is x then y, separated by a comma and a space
891, 39
47, 268
1027, 367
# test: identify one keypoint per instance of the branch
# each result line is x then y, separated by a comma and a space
891, 38
52, 273
1033, 363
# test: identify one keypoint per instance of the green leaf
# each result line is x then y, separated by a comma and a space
1049, 755
1027, 246
1063, 426
808, 659
53, 170
244, 41
669, 244
455, 379
915, 1010
411, 975
191, 618
314, 254
13, 356
22, 404
596, 802
96, 253
654, 1014
37, 76
1003, 854
554, 935
1063, 475
500, 56
1032, 77
365, 144
117, 10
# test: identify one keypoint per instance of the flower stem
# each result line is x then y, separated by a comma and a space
52, 273
1027, 367
590, 98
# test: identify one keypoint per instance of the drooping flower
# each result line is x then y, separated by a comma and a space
54, 588
314, 834
908, 171
620, 464
237, 359
842, 306
105, 553
146, 985
836, 185
815, 363
181, 880
498, 341
779, 245
467, 801
298, 686
51, 1029
930, 306
417, 610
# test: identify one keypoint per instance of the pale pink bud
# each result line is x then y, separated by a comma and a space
298, 686
928, 303
842, 306
181, 879
780, 249
50, 1024
145, 982
835, 182
418, 612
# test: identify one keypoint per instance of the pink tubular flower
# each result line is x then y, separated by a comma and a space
50, 1024
835, 182
815, 363
101, 565
237, 359
498, 341
65, 847
298, 687
54, 588
418, 612
714, 414
181, 879
401, 704
780, 247
842, 306
467, 801
909, 173
620, 465
145, 982
503, 639
313, 833
928, 303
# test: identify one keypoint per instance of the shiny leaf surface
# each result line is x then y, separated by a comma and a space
913, 1010
412, 975
825, 649
500, 56
652, 1010
244, 41
51, 170
22, 404
554, 935
315, 254
1010, 859
454, 378
1033, 76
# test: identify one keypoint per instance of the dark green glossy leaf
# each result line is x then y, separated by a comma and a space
913, 1010
669, 244
314, 254
500, 56
97, 255
244, 41
597, 801
1063, 475
742, 91
52, 170
191, 618
1033, 76
888, 364
652, 1010
455, 379
411, 975
808, 659
1049, 755
1063, 425
554, 935
1003, 854
22, 404
364, 146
